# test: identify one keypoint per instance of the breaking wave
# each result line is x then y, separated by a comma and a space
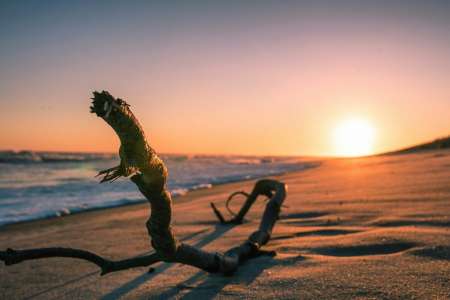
35, 185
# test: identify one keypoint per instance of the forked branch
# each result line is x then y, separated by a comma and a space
262, 188
148, 172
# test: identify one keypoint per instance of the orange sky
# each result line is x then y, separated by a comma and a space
225, 78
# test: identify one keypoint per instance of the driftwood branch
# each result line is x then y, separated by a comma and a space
148, 172
263, 187
11, 257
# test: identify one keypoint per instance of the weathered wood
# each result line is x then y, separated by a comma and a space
265, 187
11, 257
148, 172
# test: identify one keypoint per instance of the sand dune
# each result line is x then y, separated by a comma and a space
368, 228
441, 143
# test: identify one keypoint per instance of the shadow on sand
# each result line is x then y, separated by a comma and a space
93, 273
206, 286
119, 292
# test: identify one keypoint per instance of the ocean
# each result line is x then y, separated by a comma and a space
36, 185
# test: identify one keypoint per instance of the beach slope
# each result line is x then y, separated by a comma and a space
367, 228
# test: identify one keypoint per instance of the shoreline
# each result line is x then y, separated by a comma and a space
177, 198
53, 208
313, 163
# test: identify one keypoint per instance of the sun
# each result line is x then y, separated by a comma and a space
354, 137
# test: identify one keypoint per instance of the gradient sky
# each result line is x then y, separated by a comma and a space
242, 77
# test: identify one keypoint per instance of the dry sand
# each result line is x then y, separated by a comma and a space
370, 228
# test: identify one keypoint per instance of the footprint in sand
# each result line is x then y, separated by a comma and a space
321, 232
364, 250
411, 222
433, 252
309, 218
304, 215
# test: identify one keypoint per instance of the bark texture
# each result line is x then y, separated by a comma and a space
148, 172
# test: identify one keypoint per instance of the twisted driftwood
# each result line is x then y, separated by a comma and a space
148, 172
262, 187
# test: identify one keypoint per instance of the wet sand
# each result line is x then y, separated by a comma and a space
368, 228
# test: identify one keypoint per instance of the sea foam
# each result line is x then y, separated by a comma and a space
35, 185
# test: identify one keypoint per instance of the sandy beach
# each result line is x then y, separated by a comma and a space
368, 228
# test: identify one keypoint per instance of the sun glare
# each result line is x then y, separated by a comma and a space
354, 138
